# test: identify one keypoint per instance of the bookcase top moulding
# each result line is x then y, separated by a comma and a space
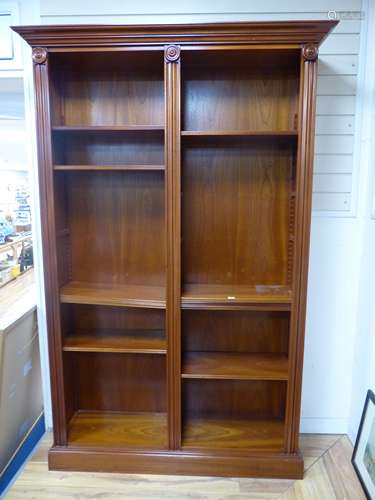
296, 33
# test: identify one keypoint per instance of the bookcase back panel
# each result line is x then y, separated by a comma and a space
113, 382
103, 89
108, 148
80, 317
116, 220
233, 399
248, 91
90, 328
236, 211
235, 331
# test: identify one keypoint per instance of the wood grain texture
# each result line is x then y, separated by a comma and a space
116, 430
313, 446
82, 317
50, 265
256, 464
250, 331
235, 212
319, 481
233, 399
111, 381
124, 89
238, 133
117, 251
225, 433
265, 94
76, 292
301, 243
111, 148
251, 33
108, 128
109, 167
172, 72
71, 371
234, 366
233, 296
136, 341
331, 477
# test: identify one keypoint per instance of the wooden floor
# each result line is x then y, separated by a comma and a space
329, 475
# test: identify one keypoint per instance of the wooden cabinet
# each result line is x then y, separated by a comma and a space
175, 174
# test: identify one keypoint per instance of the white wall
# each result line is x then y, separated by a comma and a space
364, 351
330, 326
335, 246
334, 176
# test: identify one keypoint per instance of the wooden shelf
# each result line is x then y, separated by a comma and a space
230, 433
111, 167
113, 295
107, 128
118, 430
234, 366
239, 133
135, 341
274, 298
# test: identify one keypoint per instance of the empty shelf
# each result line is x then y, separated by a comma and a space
230, 433
234, 366
110, 167
135, 341
112, 429
113, 295
196, 296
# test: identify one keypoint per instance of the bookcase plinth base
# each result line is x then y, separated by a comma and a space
265, 465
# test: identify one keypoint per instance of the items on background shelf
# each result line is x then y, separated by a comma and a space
23, 213
6, 230
14, 205
16, 253
26, 258
16, 257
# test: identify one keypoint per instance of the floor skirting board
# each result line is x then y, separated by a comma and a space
22, 454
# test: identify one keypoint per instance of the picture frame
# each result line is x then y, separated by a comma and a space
363, 458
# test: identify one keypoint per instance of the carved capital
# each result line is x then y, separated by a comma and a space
39, 55
310, 52
172, 53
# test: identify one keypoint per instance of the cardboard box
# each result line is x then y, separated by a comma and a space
21, 401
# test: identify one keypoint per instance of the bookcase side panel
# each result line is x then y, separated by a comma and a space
50, 267
302, 222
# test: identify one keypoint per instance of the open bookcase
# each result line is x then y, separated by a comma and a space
175, 171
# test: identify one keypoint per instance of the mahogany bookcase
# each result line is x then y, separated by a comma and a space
175, 170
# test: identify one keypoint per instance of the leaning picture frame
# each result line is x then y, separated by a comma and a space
363, 458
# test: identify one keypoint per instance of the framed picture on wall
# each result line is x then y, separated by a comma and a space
363, 458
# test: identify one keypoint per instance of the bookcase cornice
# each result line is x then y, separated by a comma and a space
280, 32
